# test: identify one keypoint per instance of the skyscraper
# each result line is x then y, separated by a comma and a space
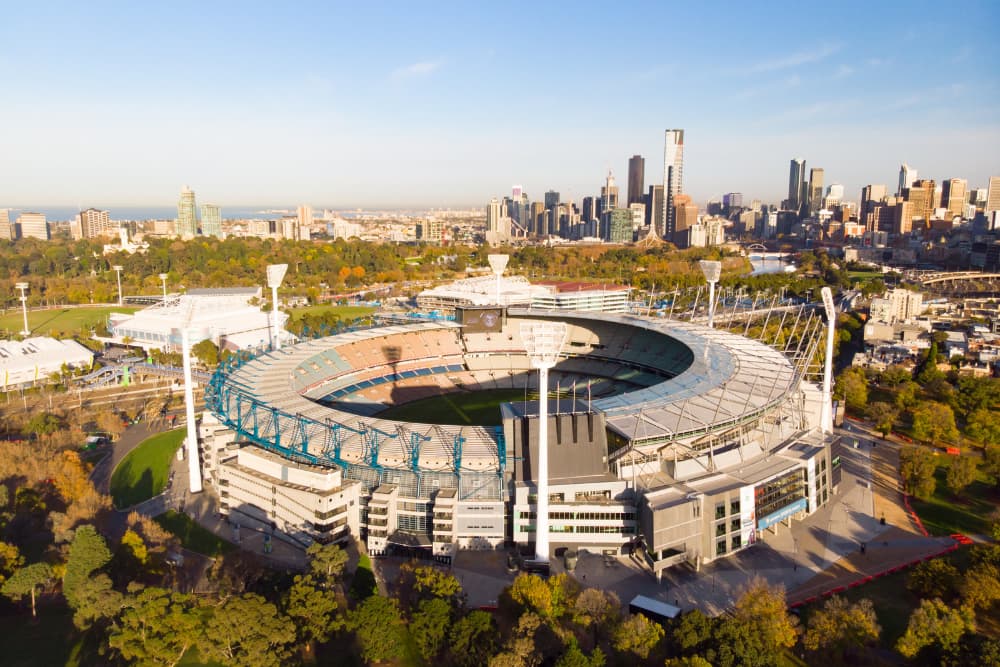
618, 225
673, 176
609, 193
211, 220
33, 225
920, 195
551, 200
589, 209
187, 216
796, 178
654, 210
953, 196
493, 215
993, 195
6, 229
907, 176
815, 190
94, 223
686, 218
636, 179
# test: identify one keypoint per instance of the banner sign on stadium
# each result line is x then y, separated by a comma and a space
811, 482
748, 535
782, 514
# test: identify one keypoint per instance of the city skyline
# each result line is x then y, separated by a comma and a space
391, 112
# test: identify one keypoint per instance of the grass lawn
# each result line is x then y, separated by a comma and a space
68, 319
864, 275
478, 408
143, 472
363, 584
192, 535
969, 513
345, 313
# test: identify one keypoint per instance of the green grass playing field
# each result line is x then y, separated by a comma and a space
479, 408
143, 472
62, 320
346, 313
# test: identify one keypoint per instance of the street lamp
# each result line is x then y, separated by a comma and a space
542, 342
498, 263
712, 271
163, 279
826, 414
194, 461
118, 270
275, 274
24, 306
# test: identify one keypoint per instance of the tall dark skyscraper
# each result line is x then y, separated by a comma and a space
551, 200
636, 179
654, 209
796, 182
673, 176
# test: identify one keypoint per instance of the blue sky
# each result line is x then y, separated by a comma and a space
438, 104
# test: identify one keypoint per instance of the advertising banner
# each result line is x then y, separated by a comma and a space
748, 509
785, 512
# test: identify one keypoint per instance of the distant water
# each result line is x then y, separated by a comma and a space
762, 266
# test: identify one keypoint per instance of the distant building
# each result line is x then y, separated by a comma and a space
732, 200
655, 209
673, 176
898, 305
636, 179
32, 225
94, 223
685, 217
953, 197
907, 176
551, 199
211, 220
6, 229
609, 194
638, 211
618, 225
993, 195
796, 183
34, 359
815, 190
187, 215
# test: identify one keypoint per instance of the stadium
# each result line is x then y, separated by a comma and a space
685, 442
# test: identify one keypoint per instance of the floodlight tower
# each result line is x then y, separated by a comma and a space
163, 279
24, 306
498, 263
712, 271
118, 270
194, 462
826, 414
275, 274
543, 341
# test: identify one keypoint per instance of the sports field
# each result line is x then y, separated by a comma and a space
60, 320
478, 408
345, 313
143, 472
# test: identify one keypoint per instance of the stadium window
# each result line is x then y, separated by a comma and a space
737, 542
720, 547
720, 530
734, 507
734, 525
720, 510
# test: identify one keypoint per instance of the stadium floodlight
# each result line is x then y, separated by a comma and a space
542, 342
194, 462
24, 307
498, 263
118, 270
712, 271
163, 279
826, 414
275, 274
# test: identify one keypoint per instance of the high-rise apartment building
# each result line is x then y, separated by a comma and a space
638, 211
619, 225
609, 193
211, 220
953, 196
796, 183
815, 190
907, 175
93, 223
655, 209
673, 176
32, 225
993, 195
636, 179
6, 229
493, 215
187, 215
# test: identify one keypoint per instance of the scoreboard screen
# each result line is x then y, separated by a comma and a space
480, 320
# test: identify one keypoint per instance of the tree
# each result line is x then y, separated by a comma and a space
574, 657
10, 559
597, 610
429, 627
313, 609
687, 661
693, 632
983, 426
95, 600
883, 415
637, 635
842, 626
935, 624
934, 422
473, 639
206, 352
895, 375
906, 394
962, 472
378, 627
44, 424
991, 463
326, 562
135, 546
26, 581
87, 553
764, 606
157, 627
917, 466
247, 631
852, 386
531, 592
981, 586
935, 578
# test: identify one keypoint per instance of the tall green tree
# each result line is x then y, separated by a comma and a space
378, 627
429, 627
637, 635
983, 426
883, 415
247, 631
27, 581
326, 562
935, 578
934, 422
852, 386
961, 473
841, 626
934, 624
88, 552
473, 639
156, 628
917, 466
313, 609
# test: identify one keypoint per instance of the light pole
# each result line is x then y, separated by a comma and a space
712, 271
194, 461
275, 274
826, 414
542, 342
498, 263
163, 279
118, 270
24, 306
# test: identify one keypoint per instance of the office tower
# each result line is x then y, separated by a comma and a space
834, 196
551, 200
953, 194
796, 179
211, 220
187, 216
589, 209
872, 201
94, 223
922, 199
516, 191
32, 225
815, 190
537, 218
993, 195
685, 216
609, 194
907, 176
638, 212
6, 229
654, 210
732, 200
673, 175
493, 216
636, 179
618, 226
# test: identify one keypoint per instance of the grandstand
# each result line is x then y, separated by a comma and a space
677, 416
